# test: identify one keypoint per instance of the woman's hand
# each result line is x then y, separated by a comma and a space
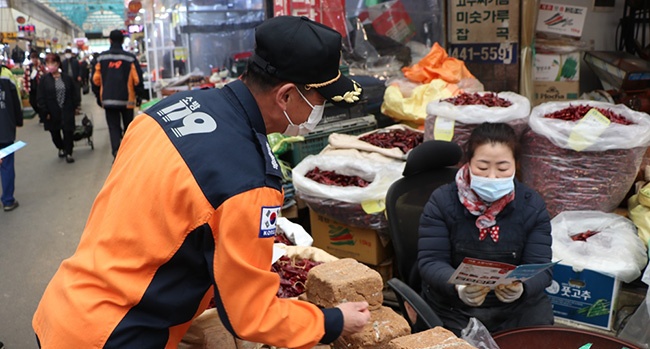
472, 295
509, 293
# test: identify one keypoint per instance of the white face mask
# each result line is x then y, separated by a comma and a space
68, 55
491, 189
314, 118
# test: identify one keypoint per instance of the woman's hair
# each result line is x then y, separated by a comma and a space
52, 57
33, 55
492, 133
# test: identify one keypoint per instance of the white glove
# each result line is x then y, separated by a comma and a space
472, 295
509, 293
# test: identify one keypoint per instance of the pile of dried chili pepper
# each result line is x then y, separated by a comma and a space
293, 275
281, 237
335, 179
571, 181
577, 112
405, 140
584, 235
489, 99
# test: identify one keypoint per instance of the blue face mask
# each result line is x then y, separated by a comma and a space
491, 189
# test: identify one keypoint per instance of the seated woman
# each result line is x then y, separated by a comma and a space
486, 214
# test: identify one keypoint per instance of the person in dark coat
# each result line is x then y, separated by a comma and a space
486, 214
31, 77
70, 66
57, 101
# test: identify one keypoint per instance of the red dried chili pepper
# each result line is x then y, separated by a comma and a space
488, 99
335, 179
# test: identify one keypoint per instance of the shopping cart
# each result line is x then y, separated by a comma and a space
84, 131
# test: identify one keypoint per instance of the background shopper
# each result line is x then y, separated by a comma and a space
119, 76
58, 99
11, 116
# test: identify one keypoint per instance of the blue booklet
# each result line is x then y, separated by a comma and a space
12, 148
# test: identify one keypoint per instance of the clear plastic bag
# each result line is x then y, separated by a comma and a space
614, 248
637, 330
596, 178
477, 335
467, 117
381, 176
615, 136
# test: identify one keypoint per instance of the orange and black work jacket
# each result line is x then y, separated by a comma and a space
118, 74
188, 212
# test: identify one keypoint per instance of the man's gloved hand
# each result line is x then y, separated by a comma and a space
472, 295
509, 293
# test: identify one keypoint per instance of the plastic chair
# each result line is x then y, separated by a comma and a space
428, 166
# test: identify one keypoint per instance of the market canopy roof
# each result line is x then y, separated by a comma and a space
93, 16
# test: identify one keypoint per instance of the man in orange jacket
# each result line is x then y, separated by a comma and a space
119, 77
189, 211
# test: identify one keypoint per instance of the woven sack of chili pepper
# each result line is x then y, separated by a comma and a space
352, 214
581, 164
604, 242
336, 192
454, 119
394, 141
379, 176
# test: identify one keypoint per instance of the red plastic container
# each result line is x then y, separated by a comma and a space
552, 337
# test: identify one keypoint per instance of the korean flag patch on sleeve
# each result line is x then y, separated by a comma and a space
268, 221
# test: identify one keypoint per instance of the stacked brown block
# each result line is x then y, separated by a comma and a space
347, 280
434, 338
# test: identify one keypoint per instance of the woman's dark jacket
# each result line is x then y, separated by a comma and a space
448, 233
60, 118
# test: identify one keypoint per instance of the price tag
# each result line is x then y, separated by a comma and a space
373, 206
587, 130
443, 129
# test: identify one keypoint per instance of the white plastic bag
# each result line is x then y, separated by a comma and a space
476, 114
381, 176
637, 330
615, 136
448, 122
477, 335
615, 249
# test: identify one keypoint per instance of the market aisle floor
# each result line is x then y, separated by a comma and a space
55, 199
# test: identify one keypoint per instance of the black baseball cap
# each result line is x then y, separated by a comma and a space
302, 51
116, 35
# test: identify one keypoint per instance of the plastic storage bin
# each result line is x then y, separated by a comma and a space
317, 140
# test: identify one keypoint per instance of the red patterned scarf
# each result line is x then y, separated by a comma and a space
486, 221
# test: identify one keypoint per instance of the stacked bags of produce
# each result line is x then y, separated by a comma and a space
454, 119
583, 155
435, 76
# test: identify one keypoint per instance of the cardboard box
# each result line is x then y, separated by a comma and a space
557, 67
562, 19
553, 91
344, 241
587, 297
619, 70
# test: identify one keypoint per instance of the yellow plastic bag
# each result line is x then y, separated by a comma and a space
639, 212
400, 105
